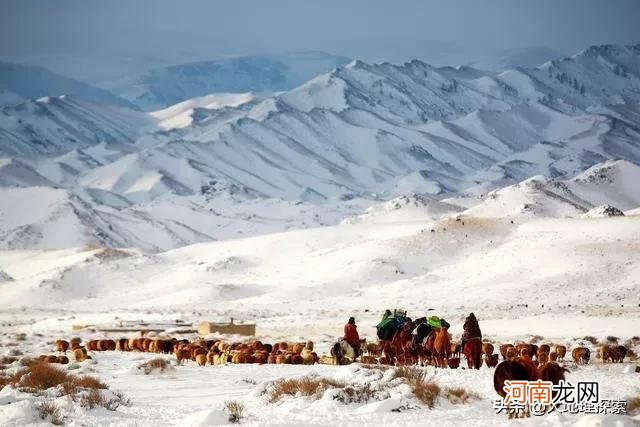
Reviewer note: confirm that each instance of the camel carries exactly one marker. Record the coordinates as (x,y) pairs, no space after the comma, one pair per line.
(473,353)
(511,370)
(442,347)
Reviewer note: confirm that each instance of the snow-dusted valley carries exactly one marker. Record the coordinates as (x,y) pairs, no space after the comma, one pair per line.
(514,195)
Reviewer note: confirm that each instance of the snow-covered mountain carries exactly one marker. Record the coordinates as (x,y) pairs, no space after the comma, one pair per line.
(162,87)
(360,131)
(22,82)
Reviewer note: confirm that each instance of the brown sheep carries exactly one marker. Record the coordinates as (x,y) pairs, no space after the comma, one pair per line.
(131,344)
(260,357)
(201,359)
(75,345)
(581,355)
(561,351)
(545,348)
(374,349)
(543,358)
(272,358)
(122,344)
(51,359)
(62,346)
(80,354)
(182,354)
(297,348)
(504,348)
(453,362)
(492,360)
(487,348)
(511,353)
(63,360)
(622,353)
(369,360)
(211,357)
(553,356)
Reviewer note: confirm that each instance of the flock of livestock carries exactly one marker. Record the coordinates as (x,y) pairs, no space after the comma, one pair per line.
(218,352)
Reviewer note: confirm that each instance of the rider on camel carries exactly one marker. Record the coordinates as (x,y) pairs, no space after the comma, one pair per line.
(351,335)
(471,329)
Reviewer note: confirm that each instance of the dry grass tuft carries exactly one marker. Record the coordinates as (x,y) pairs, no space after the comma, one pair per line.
(309,387)
(426,391)
(234,409)
(458,395)
(92,399)
(40,376)
(157,364)
(89,382)
(633,406)
(49,411)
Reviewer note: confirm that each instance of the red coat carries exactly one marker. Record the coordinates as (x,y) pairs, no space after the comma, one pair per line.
(351,334)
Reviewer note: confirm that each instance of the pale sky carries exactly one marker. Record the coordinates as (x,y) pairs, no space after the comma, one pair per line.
(175,31)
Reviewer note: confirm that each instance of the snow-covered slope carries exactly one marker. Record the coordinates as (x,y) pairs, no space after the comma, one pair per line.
(360,131)
(611,183)
(54,125)
(166,86)
(19,83)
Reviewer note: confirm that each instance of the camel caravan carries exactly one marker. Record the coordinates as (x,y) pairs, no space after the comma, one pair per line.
(401,342)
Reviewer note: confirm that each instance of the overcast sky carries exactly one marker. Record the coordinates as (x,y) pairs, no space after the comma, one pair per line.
(393,30)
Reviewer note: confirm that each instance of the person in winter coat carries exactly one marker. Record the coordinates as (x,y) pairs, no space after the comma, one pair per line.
(351,335)
(471,329)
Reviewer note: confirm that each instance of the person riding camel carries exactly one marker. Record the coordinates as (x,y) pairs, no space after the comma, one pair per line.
(351,335)
(471,329)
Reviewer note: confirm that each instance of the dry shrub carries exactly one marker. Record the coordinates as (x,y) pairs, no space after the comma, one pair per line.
(633,406)
(612,340)
(92,399)
(157,364)
(234,409)
(49,411)
(309,387)
(590,339)
(40,376)
(90,382)
(356,394)
(457,395)
(426,391)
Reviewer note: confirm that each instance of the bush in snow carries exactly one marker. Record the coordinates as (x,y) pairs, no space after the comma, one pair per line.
(234,409)
(42,378)
(50,412)
(308,387)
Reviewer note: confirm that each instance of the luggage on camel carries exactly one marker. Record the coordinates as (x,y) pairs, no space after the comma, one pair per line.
(389,324)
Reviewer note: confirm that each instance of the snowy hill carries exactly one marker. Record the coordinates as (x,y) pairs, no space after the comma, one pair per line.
(54,125)
(610,183)
(166,86)
(22,82)
(364,132)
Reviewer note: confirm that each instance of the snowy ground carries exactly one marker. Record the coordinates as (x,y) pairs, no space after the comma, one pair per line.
(524,259)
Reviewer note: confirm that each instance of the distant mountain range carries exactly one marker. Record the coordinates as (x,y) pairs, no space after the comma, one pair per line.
(162,87)
(358,131)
